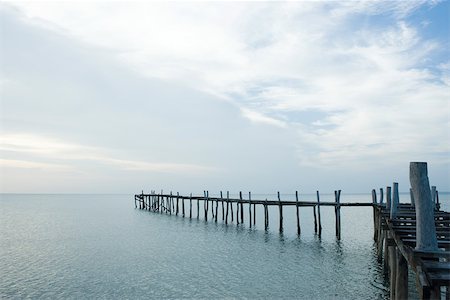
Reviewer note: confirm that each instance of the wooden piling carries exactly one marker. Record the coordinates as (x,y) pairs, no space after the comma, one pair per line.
(425,228)
(388,197)
(318,213)
(297,213)
(254,214)
(250,209)
(190,206)
(223,208)
(411,197)
(337,196)
(226,216)
(242,208)
(178,198)
(381,196)
(433,196)
(393,269)
(206,204)
(217,207)
(375,215)
(281,212)
(315,219)
(231,210)
(266,215)
(401,280)
(395,201)
(198,208)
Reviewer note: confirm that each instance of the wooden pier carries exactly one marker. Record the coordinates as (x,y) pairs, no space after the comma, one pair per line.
(408,236)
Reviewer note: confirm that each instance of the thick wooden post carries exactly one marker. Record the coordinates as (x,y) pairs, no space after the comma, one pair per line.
(337,196)
(395,201)
(433,196)
(393,269)
(381,196)
(297,213)
(281,212)
(250,209)
(375,215)
(318,213)
(388,197)
(401,283)
(425,227)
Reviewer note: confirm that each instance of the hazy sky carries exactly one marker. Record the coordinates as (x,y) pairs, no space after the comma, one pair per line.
(123,96)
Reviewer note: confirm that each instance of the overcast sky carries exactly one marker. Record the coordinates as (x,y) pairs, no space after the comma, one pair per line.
(123,96)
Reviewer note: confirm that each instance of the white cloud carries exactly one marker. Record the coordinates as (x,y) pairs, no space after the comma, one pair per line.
(372,80)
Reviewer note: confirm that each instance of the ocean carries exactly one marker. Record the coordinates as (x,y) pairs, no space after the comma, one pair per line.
(101,247)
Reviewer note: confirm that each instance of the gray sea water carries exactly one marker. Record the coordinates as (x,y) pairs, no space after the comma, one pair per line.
(100,246)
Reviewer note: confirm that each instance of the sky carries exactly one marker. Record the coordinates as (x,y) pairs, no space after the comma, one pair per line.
(119,97)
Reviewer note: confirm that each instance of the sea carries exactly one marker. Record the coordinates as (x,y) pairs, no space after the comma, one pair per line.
(101,247)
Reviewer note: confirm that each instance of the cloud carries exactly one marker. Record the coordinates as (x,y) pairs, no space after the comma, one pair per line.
(336,83)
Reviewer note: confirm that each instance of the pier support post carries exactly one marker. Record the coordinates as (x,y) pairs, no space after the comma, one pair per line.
(388,197)
(395,201)
(223,208)
(228,199)
(190,206)
(281,212)
(425,227)
(298,213)
(375,215)
(337,210)
(242,208)
(318,213)
(401,283)
(250,209)
(381,196)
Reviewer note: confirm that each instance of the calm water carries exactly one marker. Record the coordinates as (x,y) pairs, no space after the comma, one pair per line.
(100,246)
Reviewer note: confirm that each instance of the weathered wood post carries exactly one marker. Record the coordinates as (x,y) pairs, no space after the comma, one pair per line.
(231,210)
(381,196)
(438,205)
(190,206)
(198,208)
(250,209)
(401,280)
(337,196)
(223,208)
(206,206)
(281,212)
(217,207)
(242,209)
(297,213)
(425,227)
(388,197)
(318,213)
(411,196)
(266,215)
(228,199)
(237,208)
(315,219)
(375,215)
(433,196)
(394,202)
(178,198)
(254,213)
